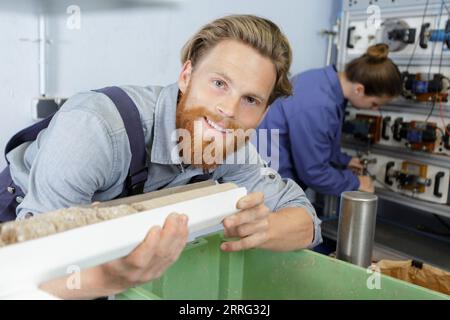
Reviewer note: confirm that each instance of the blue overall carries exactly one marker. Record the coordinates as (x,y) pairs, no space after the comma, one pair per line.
(11,194)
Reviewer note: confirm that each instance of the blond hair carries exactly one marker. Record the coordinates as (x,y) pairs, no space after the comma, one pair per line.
(259,33)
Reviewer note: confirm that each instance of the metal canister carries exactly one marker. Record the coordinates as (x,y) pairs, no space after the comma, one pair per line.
(356,231)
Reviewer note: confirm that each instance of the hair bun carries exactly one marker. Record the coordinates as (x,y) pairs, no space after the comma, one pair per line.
(378,52)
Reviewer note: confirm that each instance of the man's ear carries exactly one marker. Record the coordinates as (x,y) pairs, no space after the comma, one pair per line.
(359,89)
(185,76)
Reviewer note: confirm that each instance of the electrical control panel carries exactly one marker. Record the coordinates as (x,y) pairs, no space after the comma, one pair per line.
(411,178)
(402,131)
(410,28)
(405,146)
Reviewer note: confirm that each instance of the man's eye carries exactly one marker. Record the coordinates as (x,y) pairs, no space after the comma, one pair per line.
(219,83)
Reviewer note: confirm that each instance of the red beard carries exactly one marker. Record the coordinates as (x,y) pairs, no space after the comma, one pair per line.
(206,154)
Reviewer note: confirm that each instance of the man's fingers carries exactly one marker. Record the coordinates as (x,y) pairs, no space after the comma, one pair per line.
(154,255)
(248,229)
(173,238)
(251,200)
(143,253)
(173,235)
(246,216)
(250,242)
(230,232)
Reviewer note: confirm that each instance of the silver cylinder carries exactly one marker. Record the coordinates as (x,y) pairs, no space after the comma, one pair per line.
(356,231)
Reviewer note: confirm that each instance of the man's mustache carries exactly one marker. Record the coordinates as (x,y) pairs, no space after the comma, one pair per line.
(197,113)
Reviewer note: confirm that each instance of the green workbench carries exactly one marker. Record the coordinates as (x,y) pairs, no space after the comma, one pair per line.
(204,272)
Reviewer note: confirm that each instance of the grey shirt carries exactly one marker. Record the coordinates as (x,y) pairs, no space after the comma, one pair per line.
(84,156)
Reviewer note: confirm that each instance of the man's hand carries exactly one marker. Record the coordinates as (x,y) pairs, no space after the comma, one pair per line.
(355,165)
(366,184)
(160,249)
(251,224)
(257,227)
(147,262)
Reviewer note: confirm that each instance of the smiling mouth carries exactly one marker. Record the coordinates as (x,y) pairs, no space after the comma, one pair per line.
(217,127)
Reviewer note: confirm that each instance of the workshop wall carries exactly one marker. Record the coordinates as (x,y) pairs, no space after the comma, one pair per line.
(18,75)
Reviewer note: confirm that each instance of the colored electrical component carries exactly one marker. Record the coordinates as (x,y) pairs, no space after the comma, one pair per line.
(439,35)
(412,176)
(418,134)
(425,87)
(364,127)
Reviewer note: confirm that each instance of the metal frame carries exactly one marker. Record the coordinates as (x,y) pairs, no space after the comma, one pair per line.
(405,154)
(432,208)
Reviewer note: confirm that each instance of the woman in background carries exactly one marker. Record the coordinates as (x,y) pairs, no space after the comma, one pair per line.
(310,121)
